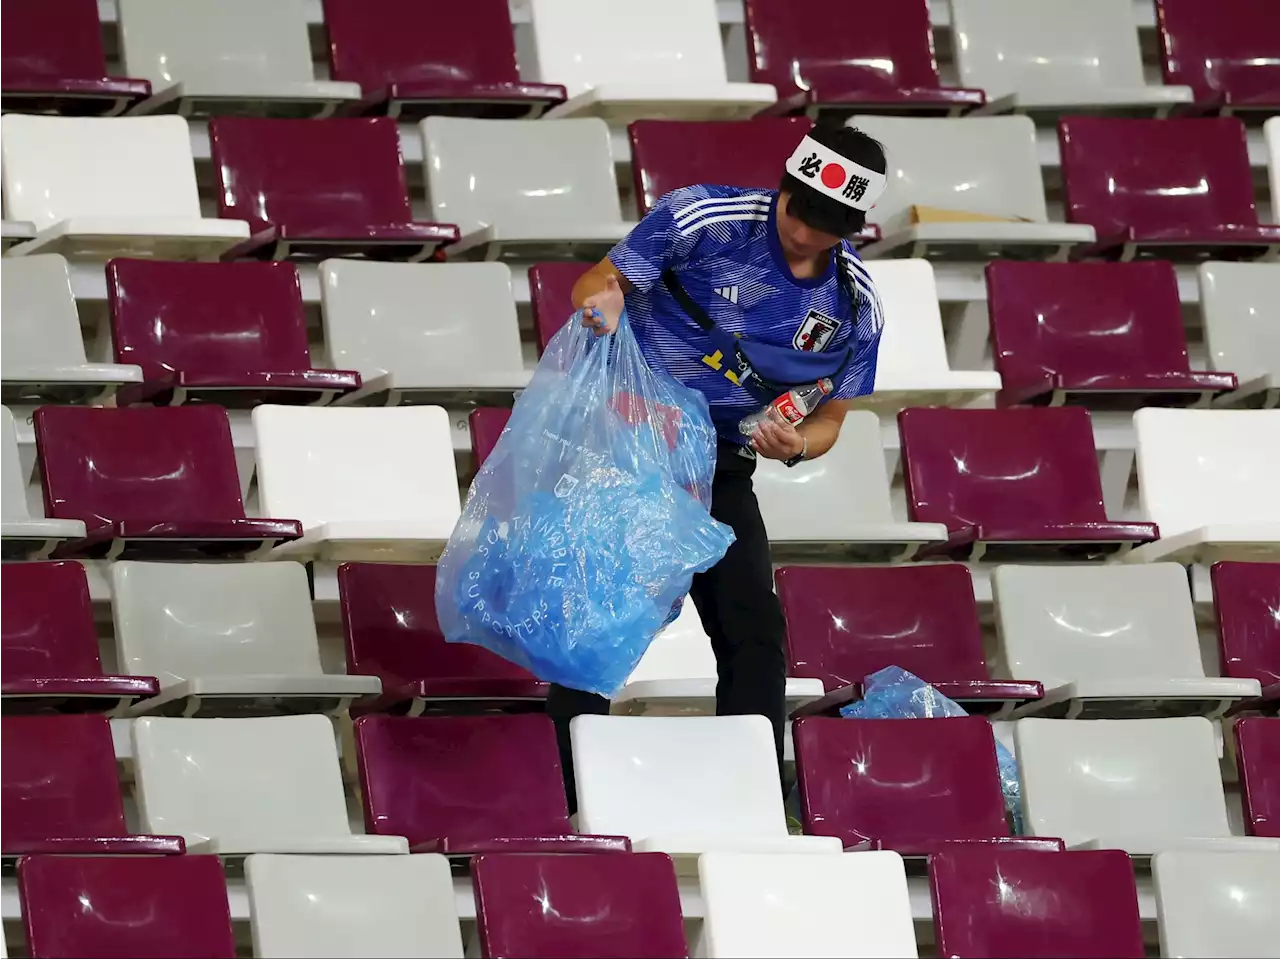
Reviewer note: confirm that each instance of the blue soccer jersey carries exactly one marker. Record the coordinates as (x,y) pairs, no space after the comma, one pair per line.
(722,243)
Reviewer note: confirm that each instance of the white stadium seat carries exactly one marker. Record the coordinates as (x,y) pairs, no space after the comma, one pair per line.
(533,189)
(226,56)
(15,231)
(1045,57)
(1271,133)
(225,637)
(765,905)
(366,484)
(43,357)
(627,61)
(987,166)
(1211,904)
(99,187)
(1208,479)
(1108,642)
(1141,785)
(912,367)
(838,506)
(345,907)
(684,785)
(1238,305)
(25,536)
(240,786)
(423,333)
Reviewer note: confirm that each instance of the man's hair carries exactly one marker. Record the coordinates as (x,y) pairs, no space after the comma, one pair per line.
(819,211)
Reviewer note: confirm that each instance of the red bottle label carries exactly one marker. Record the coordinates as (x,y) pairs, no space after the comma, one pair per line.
(786,407)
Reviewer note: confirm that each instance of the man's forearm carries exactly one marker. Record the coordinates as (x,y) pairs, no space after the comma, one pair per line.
(822,429)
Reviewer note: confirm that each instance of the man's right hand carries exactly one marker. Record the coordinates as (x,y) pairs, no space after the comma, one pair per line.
(601,311)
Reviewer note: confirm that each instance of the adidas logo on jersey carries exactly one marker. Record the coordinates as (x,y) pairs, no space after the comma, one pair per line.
(730,293)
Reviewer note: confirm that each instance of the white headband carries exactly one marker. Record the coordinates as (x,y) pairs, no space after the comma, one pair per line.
(835,176)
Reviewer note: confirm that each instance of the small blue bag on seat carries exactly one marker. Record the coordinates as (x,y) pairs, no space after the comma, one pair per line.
(584,527)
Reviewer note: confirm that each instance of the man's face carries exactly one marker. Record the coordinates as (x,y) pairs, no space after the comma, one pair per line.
(797,239)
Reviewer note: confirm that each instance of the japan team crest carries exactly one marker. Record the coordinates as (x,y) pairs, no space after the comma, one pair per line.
(815,332)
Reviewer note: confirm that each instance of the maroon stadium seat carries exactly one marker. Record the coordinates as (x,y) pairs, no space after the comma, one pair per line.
(1227,51)
(486,425)
(1258,759)
(550,289)
(1246,597)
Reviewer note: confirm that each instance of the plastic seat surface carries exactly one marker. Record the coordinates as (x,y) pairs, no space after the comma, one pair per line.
(1258,758)
(1225,52)
(1234,299)
(1246,604)
(25,536)
(1217,904)
(550,297)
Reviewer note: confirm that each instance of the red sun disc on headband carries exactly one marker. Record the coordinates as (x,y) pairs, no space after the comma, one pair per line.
(832,176)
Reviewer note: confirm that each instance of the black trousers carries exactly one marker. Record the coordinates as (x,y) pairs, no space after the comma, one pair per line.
(739,611)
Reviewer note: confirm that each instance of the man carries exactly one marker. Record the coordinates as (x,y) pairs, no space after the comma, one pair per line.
(743,294)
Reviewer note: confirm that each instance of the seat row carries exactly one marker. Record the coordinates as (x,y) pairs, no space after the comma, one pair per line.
(395,57)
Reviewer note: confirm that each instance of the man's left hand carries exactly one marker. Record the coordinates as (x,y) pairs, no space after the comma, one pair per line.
(777,441)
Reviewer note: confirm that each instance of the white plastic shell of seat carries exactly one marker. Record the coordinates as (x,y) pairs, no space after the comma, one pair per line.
(1141,785)
(627,61)
(1208,479)
(100,187)
(366,484)
(528,188)
(1108,641)
(1271,135)
(43,357)
(1212,904)
(987,165)
(1041,56)
(912,367)
(227,53)
(223,631)
(684,785)
(240,786)
(763,905)
(328,907)
(677,673)
(25,536)
(838,505)
(423,333)
(15,231)
(1238,304)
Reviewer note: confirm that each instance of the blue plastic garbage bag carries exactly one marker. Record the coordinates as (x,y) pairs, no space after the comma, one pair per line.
(584,527)
(894,693)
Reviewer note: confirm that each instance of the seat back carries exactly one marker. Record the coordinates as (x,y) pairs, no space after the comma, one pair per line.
(167,464)
(1214,903)
(708,775)
(681,651)
(130,167)
(669,154)
(1088,904)
(359,464)
(275,777)
(165,907)
(309,174)
(227,318)
(1153,779)
(1246,597)
(1119,174)
(575,46)
(986,165)
(970,467)
(391,906)
(1046,50)
(41,326)
(622,905)
(180,621)
(912,347)
(391,631)
(467,777)
(863,780)
(13,499)
(403,41)
(1199,467)
(58,40)
(1085,319)
(486,426)
(374,320)
(1258,757)
(550,295)
(783,904)
(847,622)
(1064,623)
(48,625)
(1234,301)
(1220,49)
(828,498)
(850,47)
(213,47)
(59,774)
(565,174)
